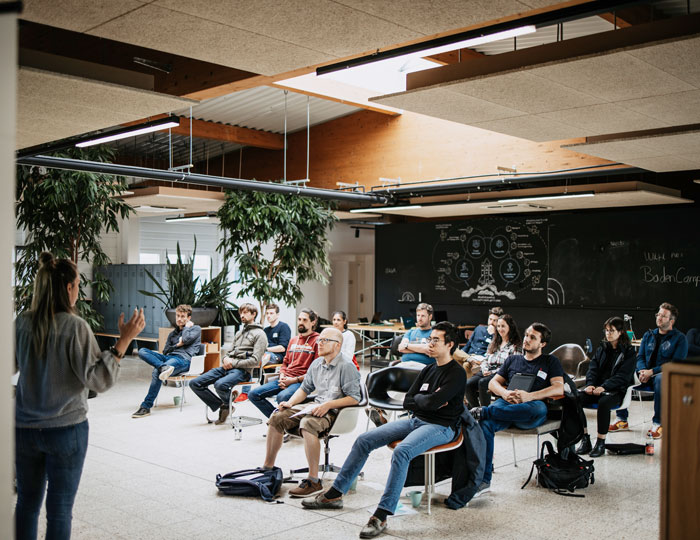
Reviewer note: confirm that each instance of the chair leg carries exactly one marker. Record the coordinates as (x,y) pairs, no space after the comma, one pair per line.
(515,459)
(430,480)
(182,397)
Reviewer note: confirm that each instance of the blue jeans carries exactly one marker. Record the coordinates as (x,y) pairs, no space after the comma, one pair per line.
(223,380)
(418,436)
(655,386)
(502,415)
(56,455)
(157,360)
(258,396)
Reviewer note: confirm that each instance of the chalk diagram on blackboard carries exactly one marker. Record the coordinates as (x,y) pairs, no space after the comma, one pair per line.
(555,292)
(492,261)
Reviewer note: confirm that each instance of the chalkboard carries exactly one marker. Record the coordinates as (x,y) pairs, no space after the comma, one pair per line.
(484,261)
(628,259)
(621,258)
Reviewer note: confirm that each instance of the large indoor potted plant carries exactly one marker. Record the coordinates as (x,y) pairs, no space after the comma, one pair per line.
(210,300)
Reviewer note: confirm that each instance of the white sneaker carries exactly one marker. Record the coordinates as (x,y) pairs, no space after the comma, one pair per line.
(483,488)
(166,372)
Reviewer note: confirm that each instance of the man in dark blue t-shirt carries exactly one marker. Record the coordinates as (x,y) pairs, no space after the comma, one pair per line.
(278,336)
(517,407)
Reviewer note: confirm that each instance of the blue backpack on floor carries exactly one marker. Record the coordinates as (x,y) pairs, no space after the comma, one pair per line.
(251,483)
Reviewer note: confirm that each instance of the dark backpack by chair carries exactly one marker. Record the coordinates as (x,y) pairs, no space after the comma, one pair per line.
(562,474)
(251,483)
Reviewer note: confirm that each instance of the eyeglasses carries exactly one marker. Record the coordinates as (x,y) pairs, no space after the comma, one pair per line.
(662,316)
(435,340)
(327,340)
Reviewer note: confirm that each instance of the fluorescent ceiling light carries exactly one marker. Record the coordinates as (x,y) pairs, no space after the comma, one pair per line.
(548,197)
(188,218)
(386,208)
(157,209)
(132,131)
(473,42)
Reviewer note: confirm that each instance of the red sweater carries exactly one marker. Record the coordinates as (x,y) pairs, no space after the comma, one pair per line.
(301,351)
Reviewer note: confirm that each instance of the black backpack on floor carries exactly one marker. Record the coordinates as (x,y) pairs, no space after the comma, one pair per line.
(251,483)
(562,473)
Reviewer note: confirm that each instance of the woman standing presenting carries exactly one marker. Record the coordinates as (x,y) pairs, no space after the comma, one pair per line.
(610,373)
(59,361)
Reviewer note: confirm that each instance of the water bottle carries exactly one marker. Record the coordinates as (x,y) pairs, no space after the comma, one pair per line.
(238,429)
(649,448)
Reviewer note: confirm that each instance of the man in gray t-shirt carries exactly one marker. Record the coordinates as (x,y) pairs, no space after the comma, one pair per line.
(336,383)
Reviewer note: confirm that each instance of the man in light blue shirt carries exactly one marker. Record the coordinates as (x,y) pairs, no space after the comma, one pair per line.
(336,383)
(414,345)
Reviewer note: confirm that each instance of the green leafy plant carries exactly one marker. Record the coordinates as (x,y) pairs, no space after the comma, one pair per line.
(66,213)
(293,227)
(182,287)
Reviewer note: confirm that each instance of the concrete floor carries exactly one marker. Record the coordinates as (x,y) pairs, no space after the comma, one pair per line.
(153,478)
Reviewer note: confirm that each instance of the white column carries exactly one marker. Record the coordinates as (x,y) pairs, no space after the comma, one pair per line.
(8,94)
(130,238)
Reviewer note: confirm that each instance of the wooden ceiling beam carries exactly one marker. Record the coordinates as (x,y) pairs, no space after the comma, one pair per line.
(201,129)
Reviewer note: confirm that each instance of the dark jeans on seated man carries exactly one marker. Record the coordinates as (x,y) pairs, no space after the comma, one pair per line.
(223,380)
(477,390)
(502,415)
(651,386)
(258,396)
(157,360)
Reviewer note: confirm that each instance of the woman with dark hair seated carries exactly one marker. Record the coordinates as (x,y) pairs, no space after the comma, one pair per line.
(506,341)
(610,373)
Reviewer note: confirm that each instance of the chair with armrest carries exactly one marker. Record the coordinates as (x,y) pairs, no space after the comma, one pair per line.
(389,379)
(196,369)
(574,362)
(345,422)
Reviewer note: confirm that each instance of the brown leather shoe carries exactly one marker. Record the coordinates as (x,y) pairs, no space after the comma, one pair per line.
(223,415)
(306,488)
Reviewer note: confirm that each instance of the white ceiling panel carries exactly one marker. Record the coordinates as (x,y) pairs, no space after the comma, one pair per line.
(52,106)
(658,153)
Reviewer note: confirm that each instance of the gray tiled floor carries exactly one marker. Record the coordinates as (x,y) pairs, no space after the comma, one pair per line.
(153,478)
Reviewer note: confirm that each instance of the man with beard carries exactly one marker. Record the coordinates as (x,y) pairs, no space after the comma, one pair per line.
(301,351)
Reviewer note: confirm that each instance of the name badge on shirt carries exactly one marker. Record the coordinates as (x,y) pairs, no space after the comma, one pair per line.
(274,335)
(424,387)
(542,375)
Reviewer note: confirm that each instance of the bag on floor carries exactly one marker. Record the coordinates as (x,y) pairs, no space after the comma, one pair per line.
(626,449)
(561,474)
(251,483)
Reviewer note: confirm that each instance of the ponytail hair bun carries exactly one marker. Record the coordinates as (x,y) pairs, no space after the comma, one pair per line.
(46,259)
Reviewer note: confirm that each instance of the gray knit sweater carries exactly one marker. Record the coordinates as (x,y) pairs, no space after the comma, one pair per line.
(52,391)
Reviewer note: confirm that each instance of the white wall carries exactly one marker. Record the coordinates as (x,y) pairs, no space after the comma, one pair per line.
(8,94)
(345,251)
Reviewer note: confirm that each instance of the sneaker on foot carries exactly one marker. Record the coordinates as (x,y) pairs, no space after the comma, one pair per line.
(143,411)
(620,425)
(320,502)
(376,416)
(485,487)
(373,528)
(223,415)
(655,433)
(241,398)
(165,372)
(306,488)
(476,413)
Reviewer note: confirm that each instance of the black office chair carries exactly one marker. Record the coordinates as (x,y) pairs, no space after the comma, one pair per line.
(380,361)
(390,379)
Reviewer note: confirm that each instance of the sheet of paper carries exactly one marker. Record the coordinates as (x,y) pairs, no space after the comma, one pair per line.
(306,410)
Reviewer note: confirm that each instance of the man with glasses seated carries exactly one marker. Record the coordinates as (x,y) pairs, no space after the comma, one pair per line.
(336,383)
(435,403)
(661,345)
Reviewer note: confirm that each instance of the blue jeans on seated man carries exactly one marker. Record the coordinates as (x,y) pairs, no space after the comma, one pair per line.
(650,386)
(258,396)
(157,360)
(418,436)
(56,455)
(223,380)
(502,415)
